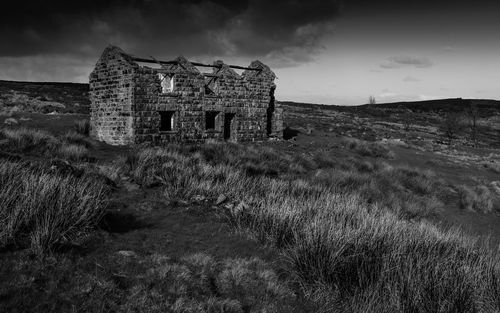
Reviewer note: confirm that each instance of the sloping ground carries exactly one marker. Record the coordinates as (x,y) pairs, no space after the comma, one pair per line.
(152,255)
(449,166)
(44,97)
(156,253)
(418,123)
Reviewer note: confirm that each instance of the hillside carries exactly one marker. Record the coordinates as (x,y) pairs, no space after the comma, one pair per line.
(360,209)
(418,123)
(442,105)
(44,97)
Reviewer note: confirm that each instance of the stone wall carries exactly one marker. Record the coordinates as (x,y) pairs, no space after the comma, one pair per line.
(112,96)
(127,100)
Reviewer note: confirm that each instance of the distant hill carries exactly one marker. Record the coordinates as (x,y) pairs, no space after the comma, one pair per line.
(45,97)
(75,98)
(442,105)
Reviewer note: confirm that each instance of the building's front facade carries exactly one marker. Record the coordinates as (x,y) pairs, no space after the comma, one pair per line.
(176,102)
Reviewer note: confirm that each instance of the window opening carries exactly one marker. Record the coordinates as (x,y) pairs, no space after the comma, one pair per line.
(167,120)
(167,82)
(210,118)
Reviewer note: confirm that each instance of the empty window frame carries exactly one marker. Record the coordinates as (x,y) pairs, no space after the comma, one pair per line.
(210,119)
(167,120)
(167,82)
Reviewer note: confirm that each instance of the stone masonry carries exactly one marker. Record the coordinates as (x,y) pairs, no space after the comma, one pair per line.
(176,102)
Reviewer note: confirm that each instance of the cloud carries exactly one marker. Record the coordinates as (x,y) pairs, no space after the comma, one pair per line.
(429,97)
(288,30)
(388,97)
(410,79)
(45,68)
(406,61)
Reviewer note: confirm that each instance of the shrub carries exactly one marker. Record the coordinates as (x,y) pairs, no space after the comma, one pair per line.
(451,126)
(82,127)
(495,185)
(492,165)
(479,199)
(73,152)
(77,139)
(372,100)
(364,148)
(41,208)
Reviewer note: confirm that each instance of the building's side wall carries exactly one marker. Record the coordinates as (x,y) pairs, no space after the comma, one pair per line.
(260,96)
(111,96)
(277,122)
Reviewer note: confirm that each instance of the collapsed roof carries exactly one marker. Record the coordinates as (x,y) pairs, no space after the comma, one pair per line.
(256,68)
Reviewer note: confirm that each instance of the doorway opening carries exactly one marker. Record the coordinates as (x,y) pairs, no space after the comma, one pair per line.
(270,113)
(228,121)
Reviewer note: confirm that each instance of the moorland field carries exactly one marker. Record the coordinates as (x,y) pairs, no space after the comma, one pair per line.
(373,208)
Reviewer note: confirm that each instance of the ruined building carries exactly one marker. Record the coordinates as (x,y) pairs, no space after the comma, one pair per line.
(175,101)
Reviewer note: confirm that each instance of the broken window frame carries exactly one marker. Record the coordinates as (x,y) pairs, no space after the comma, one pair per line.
(167,118)
(165,89)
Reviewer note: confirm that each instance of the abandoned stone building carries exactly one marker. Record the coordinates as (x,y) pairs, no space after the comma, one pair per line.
(136,100)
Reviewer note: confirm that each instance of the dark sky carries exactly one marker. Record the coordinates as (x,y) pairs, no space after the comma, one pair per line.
(329,51)
(193,27)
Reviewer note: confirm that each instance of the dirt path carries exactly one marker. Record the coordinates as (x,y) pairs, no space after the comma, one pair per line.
(145,222)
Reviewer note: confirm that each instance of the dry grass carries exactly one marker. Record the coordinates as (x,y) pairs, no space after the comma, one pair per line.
(495,185)
(365,148)
(353,233)
(71,146)
(41,208)
(339,228)
(26,140)
(73,152)
(77,139)
(196,283)
(82,127)
(492,165)
(478,199)
(409,193)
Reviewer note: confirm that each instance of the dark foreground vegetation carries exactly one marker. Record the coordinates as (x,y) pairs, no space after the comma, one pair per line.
(347,226)
(352,234)
(350,231)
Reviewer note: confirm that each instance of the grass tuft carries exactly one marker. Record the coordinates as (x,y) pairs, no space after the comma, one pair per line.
(82,127)
(71,146)
(365,148)
(26,140)
(478,199)
(42,208)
